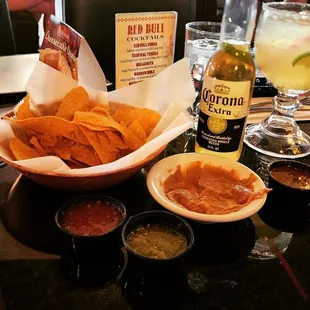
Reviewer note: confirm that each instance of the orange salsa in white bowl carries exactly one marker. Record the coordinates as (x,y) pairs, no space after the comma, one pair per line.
(206,188)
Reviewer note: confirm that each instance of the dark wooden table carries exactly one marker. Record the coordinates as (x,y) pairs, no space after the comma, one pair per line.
(217,274)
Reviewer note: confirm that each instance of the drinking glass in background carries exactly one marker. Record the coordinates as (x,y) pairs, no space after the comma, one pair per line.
(282,50)
(201,40)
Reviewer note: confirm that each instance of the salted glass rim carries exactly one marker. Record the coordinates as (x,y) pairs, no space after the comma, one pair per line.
(189,27)
(279,9)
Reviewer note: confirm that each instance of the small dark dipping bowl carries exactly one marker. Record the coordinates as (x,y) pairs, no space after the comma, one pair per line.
(287,208)
(161,218)
(80,221)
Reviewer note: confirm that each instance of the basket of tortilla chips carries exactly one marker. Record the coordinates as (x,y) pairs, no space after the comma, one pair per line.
(84,144)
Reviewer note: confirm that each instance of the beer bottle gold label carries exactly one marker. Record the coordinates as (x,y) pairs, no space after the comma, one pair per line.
(224,106)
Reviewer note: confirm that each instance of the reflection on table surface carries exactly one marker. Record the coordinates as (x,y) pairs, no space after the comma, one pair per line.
(217,273)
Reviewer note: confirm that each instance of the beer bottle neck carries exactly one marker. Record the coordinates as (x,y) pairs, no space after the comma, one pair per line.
(238,20)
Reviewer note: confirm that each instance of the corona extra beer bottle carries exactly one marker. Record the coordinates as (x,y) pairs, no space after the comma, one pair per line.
(228,84)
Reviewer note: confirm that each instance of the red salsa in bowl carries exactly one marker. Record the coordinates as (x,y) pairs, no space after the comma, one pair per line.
(90,216)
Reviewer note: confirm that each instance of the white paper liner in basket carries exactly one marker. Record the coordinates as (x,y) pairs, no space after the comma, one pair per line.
(170,93)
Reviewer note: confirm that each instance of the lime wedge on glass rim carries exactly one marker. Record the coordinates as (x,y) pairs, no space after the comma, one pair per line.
(302,60)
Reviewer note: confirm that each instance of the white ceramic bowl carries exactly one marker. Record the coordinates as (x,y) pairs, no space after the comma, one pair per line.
(161,170)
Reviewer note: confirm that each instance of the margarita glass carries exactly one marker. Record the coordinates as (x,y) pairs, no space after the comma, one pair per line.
(282,51)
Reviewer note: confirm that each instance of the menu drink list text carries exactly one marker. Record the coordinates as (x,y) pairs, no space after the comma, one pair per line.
(144,45)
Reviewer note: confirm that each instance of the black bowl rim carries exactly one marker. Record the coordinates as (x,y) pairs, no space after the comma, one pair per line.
(69,203)
(154,213)
(287,162)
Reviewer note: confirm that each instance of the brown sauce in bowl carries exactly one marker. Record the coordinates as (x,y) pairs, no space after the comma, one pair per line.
(292,176)
(209,189)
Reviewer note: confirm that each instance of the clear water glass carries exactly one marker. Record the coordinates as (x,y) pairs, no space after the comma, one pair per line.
(201,40)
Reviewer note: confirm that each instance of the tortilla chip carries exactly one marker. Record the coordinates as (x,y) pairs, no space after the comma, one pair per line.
(47,141)
(94,142)
(125,152)
(130,139)
(63,143)
(53,145)
(106,144)
(38,147)
(111,156)
(114,106)
(76,100)
(116,139)
(84,154)
(80,136)
(21,150)
(121,116)
(97,158)
(95,121)
(83,132)
(23,110)
(147,118)
(103,110)
(94,139)
(138,131)
(60,149)
(62,152)
(49,125)
(22,134)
